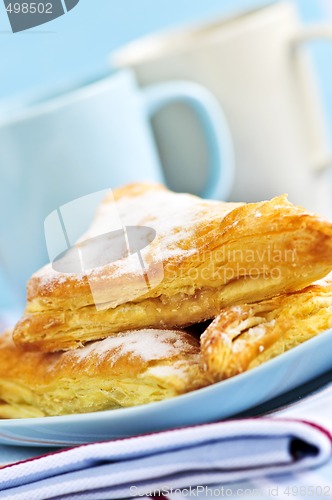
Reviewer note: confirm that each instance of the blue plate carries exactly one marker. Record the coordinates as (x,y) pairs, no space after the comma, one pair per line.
(216,402)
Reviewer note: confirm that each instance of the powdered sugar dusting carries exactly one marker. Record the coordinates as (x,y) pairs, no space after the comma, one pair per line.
(148,345)
(174,217)
(47,274)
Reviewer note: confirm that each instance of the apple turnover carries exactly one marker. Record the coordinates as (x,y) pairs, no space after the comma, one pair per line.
(245,336)
(132,368)
(175,261)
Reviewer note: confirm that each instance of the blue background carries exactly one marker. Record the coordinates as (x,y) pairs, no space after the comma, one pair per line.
(79,42)
(77,45)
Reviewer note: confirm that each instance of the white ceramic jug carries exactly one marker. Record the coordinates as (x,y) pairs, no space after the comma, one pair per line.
(257,65)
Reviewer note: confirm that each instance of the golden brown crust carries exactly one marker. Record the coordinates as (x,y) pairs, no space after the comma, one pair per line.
(206,255)
(245,336)
(128,369)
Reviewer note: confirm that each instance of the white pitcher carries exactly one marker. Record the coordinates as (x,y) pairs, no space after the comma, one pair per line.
(257,65)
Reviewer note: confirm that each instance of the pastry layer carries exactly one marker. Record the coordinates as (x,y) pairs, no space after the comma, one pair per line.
(199,256)
(245,336)
(132,368)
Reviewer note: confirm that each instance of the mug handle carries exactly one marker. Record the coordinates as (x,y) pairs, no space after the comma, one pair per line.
(217,133)
(320,31)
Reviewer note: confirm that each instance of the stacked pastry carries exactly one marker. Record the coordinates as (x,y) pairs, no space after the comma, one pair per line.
(243,337)
(106,324)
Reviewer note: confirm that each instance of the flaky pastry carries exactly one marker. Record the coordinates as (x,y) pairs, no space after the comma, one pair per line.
(191,258)
(132,368)
(245,336)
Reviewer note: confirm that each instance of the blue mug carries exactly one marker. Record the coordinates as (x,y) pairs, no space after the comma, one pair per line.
(95,137)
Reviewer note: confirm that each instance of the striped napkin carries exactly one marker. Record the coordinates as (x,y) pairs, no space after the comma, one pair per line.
(151,464)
